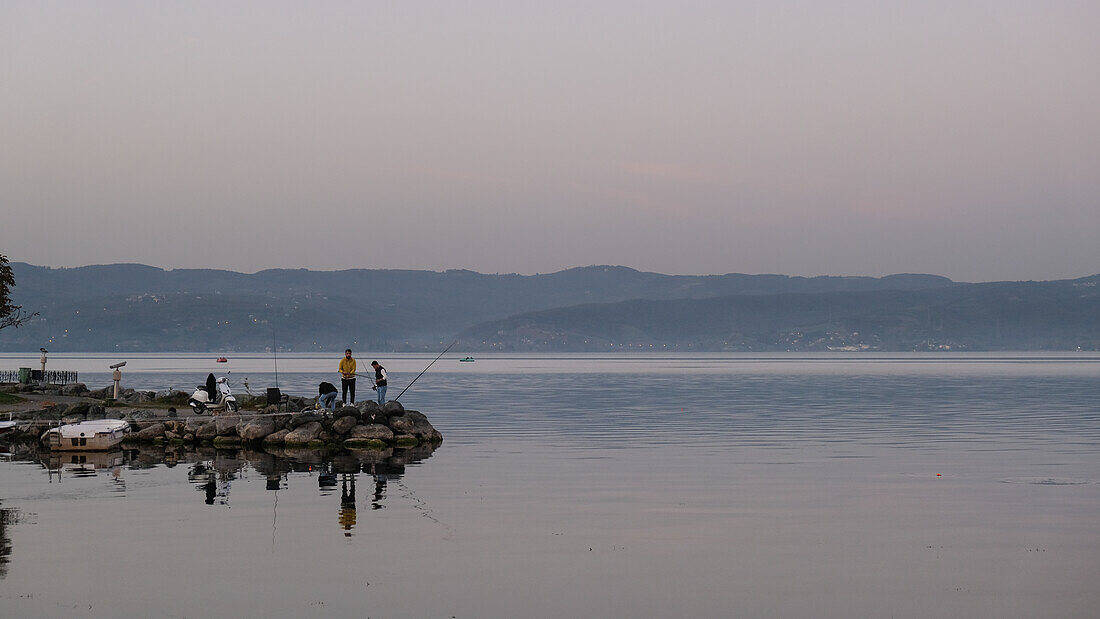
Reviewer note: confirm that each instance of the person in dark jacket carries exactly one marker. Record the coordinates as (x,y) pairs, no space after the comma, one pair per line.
(327,397)
(379,381)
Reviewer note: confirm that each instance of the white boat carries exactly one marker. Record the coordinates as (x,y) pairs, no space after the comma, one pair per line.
(94,435)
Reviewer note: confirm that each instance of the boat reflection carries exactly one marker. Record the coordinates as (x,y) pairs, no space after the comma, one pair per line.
(61,464)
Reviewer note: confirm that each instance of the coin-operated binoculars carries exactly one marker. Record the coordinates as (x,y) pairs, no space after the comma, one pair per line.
(117,375)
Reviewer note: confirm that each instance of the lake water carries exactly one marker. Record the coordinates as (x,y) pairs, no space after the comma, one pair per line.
(840,485)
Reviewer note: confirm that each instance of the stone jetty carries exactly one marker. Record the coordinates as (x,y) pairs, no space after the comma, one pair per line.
(365,424)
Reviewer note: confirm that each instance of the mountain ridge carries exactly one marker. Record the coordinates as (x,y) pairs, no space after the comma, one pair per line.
(137,307)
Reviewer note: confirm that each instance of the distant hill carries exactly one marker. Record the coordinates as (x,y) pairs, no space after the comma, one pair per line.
(133,307)
(1061,315)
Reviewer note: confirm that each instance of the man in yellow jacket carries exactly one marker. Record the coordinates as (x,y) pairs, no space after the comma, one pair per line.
(347,376)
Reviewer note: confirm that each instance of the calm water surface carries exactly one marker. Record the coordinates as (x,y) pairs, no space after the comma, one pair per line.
(596,486)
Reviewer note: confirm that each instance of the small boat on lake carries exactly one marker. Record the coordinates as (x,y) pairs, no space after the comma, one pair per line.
(221,360)
(94,435)
(466,360)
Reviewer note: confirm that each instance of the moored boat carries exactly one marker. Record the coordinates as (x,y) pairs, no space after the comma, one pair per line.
(94,435)
(466,359)
(221,360)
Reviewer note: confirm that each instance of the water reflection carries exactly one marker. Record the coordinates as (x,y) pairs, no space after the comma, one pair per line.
(8,516)
(212,473)
(347,504)
(59,465)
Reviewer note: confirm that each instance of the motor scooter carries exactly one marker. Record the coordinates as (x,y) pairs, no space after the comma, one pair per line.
(222,400)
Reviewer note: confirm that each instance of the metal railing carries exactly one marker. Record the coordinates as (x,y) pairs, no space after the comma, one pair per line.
(52,377)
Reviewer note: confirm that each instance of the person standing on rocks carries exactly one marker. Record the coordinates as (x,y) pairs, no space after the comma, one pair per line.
(379,381)
(347,374)
(327,395)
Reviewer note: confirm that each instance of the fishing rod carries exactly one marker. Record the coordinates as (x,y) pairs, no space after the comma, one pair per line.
(425,370)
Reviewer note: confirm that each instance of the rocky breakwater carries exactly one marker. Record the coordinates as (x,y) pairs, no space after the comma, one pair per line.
(127,396)
(364,425)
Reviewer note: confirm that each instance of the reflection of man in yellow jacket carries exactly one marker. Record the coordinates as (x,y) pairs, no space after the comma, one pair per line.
(347,506)
(347,374)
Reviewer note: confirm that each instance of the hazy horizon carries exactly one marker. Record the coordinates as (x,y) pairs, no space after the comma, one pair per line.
(846,138)
(579,266)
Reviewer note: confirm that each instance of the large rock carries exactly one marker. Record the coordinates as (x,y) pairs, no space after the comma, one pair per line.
(276,438)
(56,411)
(302,419)
(393,408)
(207,431)
(367,406)
(282,421)
(131,396)
(415,424)
(171,396)
(255,428)
(74,389)
(344,425)
(154,431)
(375,415)
(303,434)
(227,424)
(252,401)
(102,394)
(372,431)
(345,411)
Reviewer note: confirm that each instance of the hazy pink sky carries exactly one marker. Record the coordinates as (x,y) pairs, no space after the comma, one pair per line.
(846,138)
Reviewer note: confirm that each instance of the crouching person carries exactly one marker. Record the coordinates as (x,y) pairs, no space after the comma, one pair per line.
(327,397)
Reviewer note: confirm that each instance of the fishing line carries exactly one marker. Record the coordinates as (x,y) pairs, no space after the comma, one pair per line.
(425,370)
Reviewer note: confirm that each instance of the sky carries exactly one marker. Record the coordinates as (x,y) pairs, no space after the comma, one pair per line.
(957,138)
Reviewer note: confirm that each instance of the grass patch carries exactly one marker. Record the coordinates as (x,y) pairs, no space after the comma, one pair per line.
(10,398)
